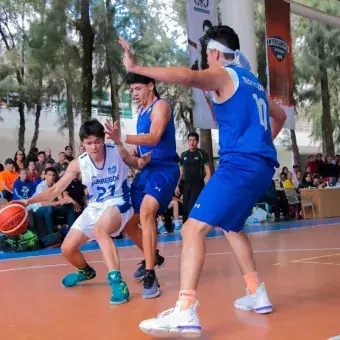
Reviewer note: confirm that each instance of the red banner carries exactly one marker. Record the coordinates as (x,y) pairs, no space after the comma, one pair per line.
(280,58)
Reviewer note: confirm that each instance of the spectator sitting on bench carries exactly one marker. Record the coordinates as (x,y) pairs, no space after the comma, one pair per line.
(288,183)
(307,181)
(7,179)
(318,181)
(32,172)
(22,188)
(45,210)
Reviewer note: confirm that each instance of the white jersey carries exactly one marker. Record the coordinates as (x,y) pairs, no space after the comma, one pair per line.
(108,182)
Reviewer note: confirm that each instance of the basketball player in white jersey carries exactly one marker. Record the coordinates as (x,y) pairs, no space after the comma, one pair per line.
(104,171)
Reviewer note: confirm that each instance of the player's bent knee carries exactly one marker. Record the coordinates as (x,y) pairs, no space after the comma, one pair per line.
(67,249)
(147,217)
(194,227)
(101,233)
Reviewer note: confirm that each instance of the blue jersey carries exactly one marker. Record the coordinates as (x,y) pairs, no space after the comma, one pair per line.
(243,121)
(165,150)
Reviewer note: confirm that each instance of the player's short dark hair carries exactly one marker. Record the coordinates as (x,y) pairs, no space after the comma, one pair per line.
(51,170)
(91,128)
(225,35)
(133,78)
(68,147)
(41,153)
(195,135)
(207,23)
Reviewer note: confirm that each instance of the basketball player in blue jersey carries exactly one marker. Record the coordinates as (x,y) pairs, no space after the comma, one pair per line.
(248,121)
(153,187)
(104,171)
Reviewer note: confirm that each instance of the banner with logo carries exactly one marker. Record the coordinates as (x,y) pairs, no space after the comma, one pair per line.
(201,15)
(280,58)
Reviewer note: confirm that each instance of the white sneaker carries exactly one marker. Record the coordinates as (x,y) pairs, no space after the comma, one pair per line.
(174,323)
(258,302)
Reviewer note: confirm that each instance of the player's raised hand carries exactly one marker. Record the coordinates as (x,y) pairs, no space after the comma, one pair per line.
(113,131)
(128,60)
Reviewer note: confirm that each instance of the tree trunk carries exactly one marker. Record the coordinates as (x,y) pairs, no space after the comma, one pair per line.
(36,125)
(37,114)
(21,105)
(326,120)
(114,100)
(111,35)
(22,126)
(206,145)
(87,33)
(70,117)
(191,119)
(295,148)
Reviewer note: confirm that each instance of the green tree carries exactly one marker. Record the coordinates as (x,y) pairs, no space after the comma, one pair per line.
(12,18)
(317,67)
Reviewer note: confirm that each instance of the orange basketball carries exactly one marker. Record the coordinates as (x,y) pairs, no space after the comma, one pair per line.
(13,219)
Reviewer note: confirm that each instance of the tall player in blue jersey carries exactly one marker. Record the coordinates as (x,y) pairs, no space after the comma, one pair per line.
(153,187)
(248,122)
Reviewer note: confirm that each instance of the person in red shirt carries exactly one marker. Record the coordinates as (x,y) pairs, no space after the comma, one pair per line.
(313,165)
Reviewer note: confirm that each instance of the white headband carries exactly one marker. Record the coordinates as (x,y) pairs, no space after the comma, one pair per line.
(240,59)
(215,45)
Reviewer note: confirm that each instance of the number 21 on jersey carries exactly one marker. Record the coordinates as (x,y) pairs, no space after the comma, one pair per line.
(262,108)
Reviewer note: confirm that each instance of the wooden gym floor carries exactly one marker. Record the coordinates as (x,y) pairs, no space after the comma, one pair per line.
(300,266)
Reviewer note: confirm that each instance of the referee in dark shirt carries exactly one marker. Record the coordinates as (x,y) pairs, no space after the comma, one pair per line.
(195,171)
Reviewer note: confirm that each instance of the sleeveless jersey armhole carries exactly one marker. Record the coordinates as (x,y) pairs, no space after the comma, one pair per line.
(236,82)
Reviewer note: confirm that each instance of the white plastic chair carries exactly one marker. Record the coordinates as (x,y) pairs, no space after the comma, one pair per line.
(295,199)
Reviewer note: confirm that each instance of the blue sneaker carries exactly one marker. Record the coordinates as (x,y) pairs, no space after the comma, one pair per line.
(177,227)
(150,286)
(161,229)
(73,279)
(120,291)
(140,272)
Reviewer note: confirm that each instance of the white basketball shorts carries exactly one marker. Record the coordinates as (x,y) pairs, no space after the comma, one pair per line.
(91,214)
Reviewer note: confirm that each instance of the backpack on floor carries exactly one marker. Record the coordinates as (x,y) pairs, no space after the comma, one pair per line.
(26,241)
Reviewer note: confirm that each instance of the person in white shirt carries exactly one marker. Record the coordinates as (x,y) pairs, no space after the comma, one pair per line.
(104,171)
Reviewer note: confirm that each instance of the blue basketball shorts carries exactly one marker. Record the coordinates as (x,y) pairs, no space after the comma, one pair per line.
(157,181)
(230,195)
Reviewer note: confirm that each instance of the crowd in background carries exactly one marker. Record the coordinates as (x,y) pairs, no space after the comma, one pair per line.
(23,176)
(318,172)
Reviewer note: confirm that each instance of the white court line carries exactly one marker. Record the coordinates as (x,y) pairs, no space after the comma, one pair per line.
(315,258)
(170,256)
(314,262)
(210,238)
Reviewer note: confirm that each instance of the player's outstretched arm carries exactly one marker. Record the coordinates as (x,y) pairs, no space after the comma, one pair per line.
(159,117)
(58,188)
(212,79)
(278,117)
(131,161)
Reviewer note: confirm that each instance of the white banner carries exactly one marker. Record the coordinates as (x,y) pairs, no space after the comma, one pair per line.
(201,15)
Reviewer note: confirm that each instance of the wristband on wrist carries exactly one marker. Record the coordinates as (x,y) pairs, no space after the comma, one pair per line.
(123,138)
